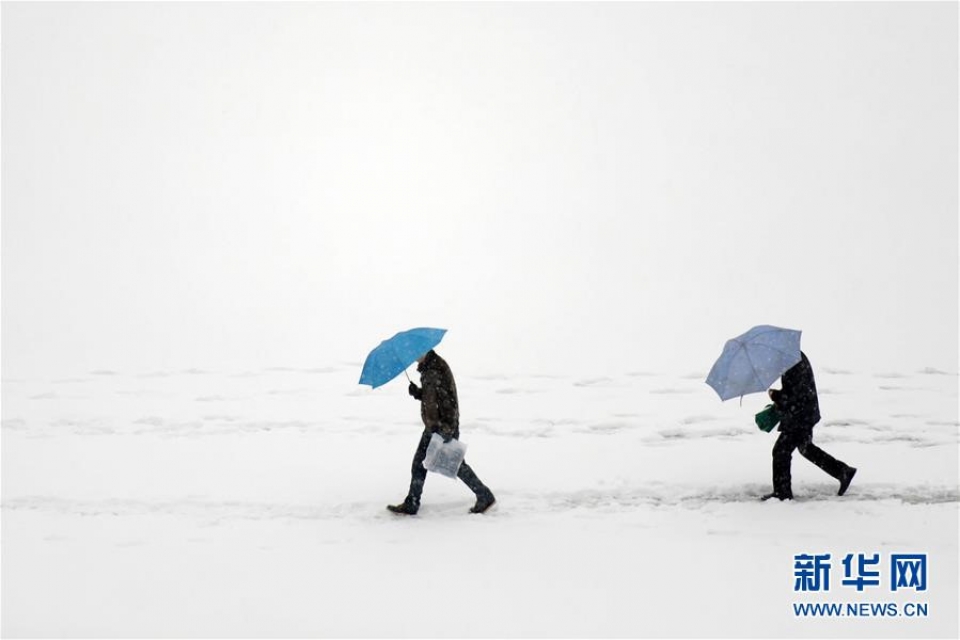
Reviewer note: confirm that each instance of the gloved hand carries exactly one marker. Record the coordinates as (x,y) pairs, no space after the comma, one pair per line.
(446,435)
(774,395)
(414,391)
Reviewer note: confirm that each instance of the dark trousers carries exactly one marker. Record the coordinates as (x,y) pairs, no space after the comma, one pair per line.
(801,439)
(418,474)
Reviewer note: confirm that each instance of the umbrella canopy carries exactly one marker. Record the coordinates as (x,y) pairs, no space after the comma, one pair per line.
(394,355)
(750,363)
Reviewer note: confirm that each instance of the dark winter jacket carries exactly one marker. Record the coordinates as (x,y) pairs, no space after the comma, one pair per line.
(797,400)
(438,396)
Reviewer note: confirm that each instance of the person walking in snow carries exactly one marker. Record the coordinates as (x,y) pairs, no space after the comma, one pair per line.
(799,409)
(440,412)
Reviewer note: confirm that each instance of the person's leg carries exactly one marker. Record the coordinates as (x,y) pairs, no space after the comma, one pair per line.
(470,478)
(484,496)
(821,458)
(839,470)
(782,454)
(418,475)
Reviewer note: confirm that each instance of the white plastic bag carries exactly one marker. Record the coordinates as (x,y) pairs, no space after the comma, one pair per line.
(444,458)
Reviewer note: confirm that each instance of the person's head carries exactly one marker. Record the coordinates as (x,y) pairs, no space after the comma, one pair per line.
(424,357)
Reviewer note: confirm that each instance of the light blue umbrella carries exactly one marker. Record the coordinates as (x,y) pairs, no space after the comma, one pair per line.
(393,356)
(750,363)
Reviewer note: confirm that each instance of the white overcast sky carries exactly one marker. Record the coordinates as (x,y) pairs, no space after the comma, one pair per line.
(572,186)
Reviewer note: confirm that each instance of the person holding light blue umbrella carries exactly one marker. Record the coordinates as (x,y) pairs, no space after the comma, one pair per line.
(796,402)
(439,406)
(751,363)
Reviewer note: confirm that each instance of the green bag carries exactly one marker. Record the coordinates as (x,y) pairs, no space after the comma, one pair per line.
(768,418)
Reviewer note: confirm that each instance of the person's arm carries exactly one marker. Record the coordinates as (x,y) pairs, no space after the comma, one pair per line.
(431,401)
(432,397)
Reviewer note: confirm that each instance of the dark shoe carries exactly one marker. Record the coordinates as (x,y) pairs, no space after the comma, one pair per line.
(846,479)
(405,508)
(777,496)
(484,502)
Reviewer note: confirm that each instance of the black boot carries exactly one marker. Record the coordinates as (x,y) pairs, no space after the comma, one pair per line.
(408,507)
(485,500)
(777,496)
(846,479)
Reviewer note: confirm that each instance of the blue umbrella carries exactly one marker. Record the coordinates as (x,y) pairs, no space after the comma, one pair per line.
(750,363)
(393,356)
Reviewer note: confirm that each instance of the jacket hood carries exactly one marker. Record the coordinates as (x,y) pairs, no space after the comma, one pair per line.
(428,360)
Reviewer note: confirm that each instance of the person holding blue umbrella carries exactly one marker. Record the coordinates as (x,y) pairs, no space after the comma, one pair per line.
(439,406)
(440,412)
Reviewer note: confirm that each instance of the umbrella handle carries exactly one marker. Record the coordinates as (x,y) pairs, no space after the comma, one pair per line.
(406,374)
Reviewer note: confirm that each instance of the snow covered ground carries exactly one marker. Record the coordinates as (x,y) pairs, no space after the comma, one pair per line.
(251,503)
(569,188)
